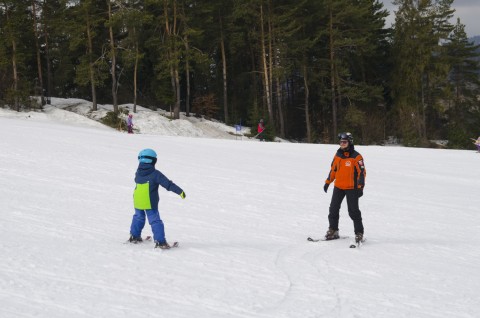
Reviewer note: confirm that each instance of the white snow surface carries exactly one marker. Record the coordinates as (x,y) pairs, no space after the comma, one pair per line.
(66,206)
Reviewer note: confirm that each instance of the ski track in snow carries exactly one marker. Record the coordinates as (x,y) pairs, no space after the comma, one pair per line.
(66,187)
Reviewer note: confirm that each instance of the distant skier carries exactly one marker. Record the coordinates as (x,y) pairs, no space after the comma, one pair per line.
(130,123)
(260,130)
(348,172)
(146,198)
(477,143)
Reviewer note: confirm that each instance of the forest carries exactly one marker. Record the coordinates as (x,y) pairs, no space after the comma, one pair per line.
(309,68)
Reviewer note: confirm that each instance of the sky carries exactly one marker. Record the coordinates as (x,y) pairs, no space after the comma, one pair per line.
(66,185)
(467,10)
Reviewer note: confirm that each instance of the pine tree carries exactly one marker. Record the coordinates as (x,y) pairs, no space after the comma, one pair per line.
(59,69)
(464,85)
(110,23)
(132,18)
(350,33)
(17,36)
(87,29)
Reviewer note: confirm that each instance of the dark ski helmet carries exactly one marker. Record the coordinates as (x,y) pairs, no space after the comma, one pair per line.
(147,156)
(346,136)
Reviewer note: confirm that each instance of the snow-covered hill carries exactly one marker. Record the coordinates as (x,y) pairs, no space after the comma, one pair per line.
(145,120)
(66,204)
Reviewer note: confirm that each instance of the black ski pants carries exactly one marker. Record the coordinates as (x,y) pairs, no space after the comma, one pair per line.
(353,209)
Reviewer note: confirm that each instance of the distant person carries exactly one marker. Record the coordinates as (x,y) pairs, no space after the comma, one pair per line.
(348,172)
(146,198)
(260,130)
(130,123)
(477,143)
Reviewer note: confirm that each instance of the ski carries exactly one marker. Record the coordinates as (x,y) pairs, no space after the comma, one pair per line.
(310,239)
(146,238)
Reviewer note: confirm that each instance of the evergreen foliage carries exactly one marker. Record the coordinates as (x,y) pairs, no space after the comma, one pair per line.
(116,119)
(312,67)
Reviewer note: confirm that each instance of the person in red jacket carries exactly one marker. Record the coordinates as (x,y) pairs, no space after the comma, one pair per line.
(260,129)
(348,173)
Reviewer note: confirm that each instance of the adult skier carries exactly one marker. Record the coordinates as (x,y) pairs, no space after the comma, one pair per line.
(146,198)
(348,173)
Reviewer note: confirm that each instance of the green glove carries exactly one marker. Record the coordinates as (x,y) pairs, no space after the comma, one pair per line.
(183,195)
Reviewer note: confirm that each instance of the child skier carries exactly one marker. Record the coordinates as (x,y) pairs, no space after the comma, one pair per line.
(348,172)
(130,123)
(146,198)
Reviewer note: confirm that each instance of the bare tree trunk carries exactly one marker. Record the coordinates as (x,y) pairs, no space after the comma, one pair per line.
(339,94)
(90,63)
(424,106)
(135,75)
(113,57)
(15,79)
(47,54)
(266,78)
(175,65)
(15,75)
(187,74)
(332,76)
(174,89)
(254,78)
(37,46)
(270,62)
(176,110)
(280,107)
(307,105)
(172,55)
(224,66)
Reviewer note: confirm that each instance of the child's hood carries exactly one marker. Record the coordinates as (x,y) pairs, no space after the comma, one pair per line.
(144,169)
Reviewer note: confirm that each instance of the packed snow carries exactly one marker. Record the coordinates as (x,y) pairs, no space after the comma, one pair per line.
(66,206)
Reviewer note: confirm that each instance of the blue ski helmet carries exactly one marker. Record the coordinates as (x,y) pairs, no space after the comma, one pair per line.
(147,156)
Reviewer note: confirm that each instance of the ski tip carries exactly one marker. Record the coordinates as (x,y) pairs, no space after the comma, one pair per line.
(353,246)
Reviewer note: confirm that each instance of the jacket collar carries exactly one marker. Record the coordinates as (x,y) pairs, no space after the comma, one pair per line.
(145,168)
(347,152)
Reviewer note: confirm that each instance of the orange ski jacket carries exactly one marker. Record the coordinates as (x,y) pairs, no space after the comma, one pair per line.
(347,170)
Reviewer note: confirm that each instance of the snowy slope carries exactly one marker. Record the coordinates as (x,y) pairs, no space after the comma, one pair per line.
(66,205)
(145,120)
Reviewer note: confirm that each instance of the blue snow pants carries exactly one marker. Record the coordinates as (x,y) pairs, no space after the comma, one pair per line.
(138,222)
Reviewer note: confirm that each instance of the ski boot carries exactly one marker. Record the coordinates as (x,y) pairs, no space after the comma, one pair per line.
(135,240)
(358,237)
(332,235)
(163,246)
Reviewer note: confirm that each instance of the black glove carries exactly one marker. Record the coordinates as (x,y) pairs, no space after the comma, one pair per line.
(360,192)
(325,187)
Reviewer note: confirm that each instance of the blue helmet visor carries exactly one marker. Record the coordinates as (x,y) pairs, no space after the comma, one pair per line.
(147,159)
